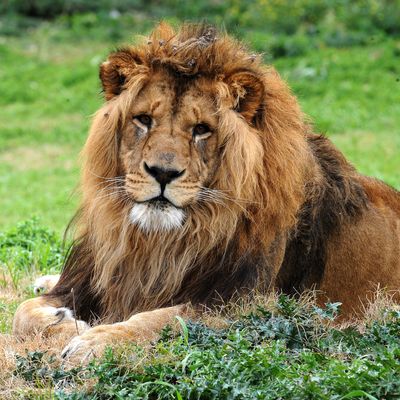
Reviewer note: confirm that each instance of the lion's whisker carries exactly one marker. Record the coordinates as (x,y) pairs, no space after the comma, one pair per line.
(224,194)
(214,195)
(116,191)
(107,185)
(220,202)
(105,177)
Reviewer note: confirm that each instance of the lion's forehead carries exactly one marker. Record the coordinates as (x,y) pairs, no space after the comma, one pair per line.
(191,99)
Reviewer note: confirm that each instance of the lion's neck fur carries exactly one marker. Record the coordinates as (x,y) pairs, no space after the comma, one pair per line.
(145,270)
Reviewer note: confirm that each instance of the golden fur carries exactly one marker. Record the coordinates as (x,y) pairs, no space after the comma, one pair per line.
(266,203)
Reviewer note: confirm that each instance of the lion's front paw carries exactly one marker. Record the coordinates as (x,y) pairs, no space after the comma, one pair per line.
(65,324)
(82,348)
(38,316)
(92,342)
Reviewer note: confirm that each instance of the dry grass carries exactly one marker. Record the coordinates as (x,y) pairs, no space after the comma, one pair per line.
(13,387)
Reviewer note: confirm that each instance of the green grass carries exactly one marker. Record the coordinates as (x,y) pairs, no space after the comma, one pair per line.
(26,250)
(353,96)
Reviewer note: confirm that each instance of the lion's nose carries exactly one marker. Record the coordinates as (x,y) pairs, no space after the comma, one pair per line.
(161,175)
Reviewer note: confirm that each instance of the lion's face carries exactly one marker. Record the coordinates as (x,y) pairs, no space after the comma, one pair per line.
(168,150)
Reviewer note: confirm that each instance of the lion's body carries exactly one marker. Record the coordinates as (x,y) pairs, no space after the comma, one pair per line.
(364,255)
(203,182)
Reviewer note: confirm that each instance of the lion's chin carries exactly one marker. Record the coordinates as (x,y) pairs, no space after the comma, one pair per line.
(153,218)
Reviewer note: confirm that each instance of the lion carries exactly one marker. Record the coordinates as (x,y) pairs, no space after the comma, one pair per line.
(203,182)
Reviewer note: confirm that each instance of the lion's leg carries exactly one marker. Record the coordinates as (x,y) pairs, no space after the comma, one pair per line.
(140,328)
(42,315)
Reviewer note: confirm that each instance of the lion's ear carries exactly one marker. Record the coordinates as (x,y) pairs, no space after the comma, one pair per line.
(248,93)
(118,68)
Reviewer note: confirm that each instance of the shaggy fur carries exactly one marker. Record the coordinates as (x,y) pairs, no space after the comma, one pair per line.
(267,203)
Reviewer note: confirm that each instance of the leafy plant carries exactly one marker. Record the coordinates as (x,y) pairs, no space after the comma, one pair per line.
(42,370)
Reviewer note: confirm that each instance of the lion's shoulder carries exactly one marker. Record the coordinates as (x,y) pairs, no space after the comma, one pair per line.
(337,197)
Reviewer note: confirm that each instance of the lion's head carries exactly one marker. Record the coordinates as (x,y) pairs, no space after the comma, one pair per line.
(197,145)
(182,125)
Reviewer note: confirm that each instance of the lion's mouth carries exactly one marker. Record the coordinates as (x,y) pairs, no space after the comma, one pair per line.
(157,214)
(160,202)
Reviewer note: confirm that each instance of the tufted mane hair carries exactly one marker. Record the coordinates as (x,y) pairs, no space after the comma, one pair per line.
(266,164)
(192,51)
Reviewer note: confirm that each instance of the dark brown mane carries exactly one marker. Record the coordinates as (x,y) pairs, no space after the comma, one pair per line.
(337,198)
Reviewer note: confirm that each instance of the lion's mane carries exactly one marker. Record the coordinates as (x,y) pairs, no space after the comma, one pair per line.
(279,191)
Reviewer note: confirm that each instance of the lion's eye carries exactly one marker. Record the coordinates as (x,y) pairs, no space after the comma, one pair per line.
(144,119)
(201,130)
